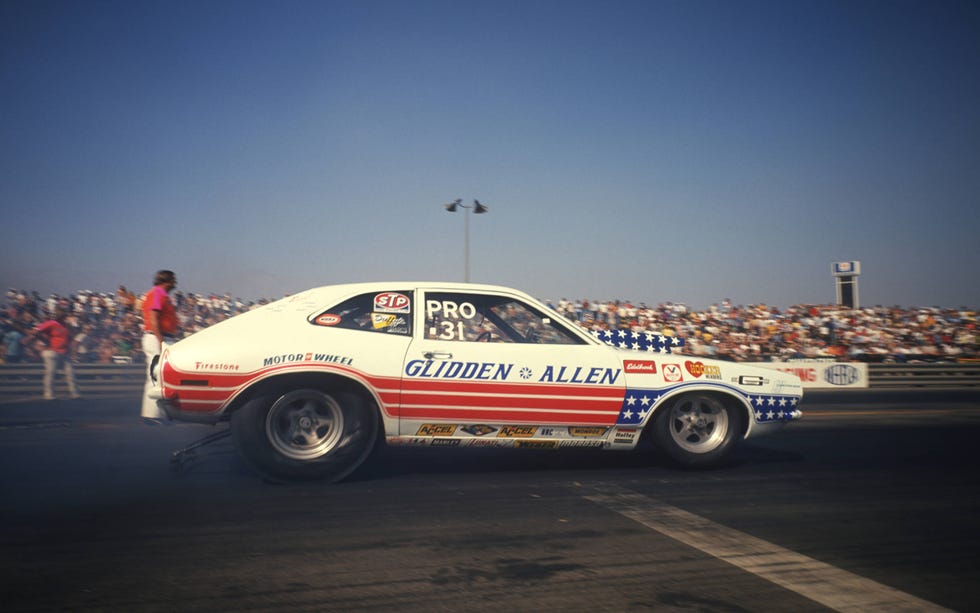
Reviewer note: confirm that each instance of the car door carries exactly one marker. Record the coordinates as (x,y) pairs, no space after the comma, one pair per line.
(493,358)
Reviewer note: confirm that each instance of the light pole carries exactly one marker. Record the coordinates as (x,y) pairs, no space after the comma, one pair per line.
(477,210)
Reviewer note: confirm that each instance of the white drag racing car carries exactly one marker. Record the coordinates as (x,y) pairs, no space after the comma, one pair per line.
(313,382)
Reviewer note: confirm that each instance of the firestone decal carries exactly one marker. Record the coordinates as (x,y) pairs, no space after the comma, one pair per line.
(213,366)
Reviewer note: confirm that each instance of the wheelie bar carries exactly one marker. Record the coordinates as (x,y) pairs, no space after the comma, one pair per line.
(181,455)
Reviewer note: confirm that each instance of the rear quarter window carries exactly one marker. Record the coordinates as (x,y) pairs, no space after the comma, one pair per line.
(378,312)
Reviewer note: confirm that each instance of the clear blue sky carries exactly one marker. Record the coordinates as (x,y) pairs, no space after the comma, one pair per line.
(685,151)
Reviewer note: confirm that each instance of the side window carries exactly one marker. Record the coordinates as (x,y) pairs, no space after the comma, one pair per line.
(494,319)
(384,312)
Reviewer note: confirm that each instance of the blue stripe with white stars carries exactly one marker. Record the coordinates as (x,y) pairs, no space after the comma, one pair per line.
(638,403)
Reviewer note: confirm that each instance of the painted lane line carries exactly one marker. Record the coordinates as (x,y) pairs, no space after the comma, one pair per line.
(830,586)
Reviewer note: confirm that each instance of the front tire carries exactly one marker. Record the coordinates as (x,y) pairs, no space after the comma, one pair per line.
(304,434)
(698,430)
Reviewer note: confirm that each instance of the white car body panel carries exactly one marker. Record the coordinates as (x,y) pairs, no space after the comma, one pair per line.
(435,391)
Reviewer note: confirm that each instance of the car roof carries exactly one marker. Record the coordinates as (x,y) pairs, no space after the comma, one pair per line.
(346,289)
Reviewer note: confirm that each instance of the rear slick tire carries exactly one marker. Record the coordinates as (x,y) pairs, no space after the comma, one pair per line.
(304,434)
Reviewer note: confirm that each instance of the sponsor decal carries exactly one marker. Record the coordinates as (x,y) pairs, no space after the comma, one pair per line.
(587,431)
(486,371)
(327,319)
(580,374)
(436,430)
(213,366)
(536,444)
(842,374)
(672,373)
(699,369)
(382,320)
(445,442)
(547,432)
(495,371)
(392,302)
(408,441)
(751,380)
(484,442)
(592,444)
(695,368)
(640,366)
(289,358)
(478,430)
(517,431)
(625,436)
(390,322)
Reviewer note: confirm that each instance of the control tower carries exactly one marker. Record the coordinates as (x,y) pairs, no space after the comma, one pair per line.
(846,278)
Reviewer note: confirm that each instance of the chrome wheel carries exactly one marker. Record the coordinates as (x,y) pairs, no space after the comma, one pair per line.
(304,424)
(698,424)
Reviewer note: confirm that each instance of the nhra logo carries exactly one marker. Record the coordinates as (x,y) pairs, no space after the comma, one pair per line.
(842,374)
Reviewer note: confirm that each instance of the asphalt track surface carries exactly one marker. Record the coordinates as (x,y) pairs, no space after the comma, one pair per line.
(870,503)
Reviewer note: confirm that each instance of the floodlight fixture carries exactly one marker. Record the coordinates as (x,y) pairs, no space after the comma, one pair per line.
(477,210)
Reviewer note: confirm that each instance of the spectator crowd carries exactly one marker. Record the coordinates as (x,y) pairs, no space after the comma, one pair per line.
(107,327)
(761,333)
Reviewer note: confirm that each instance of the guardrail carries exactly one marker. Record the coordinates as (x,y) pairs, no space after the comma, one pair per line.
(924,376)
(25,380)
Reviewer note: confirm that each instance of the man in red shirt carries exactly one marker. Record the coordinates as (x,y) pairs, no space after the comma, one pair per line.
(160,326)
(56,355)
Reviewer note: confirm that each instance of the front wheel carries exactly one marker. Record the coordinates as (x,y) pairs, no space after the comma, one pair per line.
(697,430)
(304,434)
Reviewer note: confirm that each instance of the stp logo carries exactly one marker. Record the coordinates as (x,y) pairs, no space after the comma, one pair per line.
(392,302)
(672,373)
